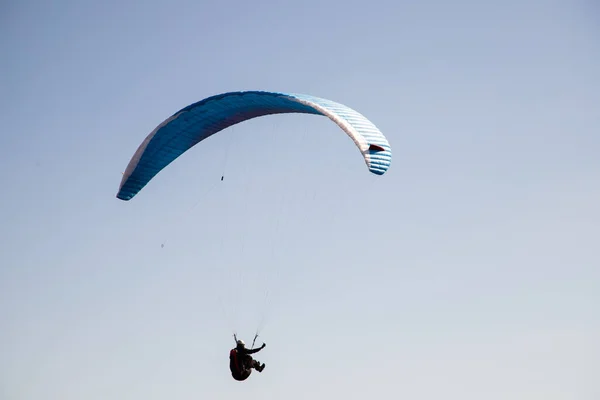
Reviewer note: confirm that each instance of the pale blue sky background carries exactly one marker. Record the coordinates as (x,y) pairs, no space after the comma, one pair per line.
(468,272)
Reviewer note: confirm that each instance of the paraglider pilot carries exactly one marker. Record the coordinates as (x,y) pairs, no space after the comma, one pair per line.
(241,362)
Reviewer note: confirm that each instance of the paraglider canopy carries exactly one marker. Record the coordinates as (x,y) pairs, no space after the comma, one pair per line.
(200,120)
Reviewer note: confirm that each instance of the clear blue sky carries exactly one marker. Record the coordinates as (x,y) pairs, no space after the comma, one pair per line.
(469,271)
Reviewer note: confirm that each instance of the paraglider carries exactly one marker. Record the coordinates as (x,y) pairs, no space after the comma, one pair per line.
(241,362)
(200,120)
(196,122)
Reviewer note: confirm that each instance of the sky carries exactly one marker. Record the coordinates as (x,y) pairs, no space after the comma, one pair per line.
(469,270)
